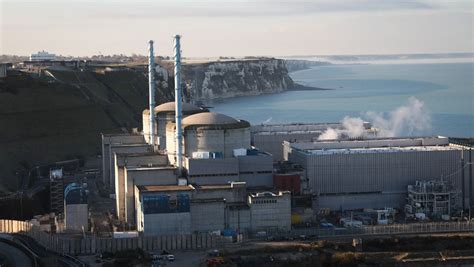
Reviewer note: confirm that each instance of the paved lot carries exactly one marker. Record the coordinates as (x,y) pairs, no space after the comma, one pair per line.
(186,258)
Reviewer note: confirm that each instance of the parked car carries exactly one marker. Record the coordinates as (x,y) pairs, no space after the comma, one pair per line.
(170,257)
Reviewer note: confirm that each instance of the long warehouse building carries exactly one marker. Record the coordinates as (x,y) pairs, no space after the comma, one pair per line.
(373,173)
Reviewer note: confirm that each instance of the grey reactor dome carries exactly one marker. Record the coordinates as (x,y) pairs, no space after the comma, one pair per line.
(213,120)
(164,114)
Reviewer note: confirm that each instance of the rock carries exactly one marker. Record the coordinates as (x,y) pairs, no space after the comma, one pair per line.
(207,81)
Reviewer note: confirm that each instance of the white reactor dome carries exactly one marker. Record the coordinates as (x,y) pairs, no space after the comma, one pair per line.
(210,132)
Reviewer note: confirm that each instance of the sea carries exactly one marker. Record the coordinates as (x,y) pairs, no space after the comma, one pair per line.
(446,90)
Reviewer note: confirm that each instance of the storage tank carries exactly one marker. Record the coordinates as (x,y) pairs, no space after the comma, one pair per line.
(209,132)
(76,208)
(165,113)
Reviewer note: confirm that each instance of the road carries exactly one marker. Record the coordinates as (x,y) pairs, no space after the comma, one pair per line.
(14,256)
(185,258)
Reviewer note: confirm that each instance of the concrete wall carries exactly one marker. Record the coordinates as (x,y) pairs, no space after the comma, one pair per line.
(360,201)
(207,215)
(167,223)
(256,171)
(131,160)
(224,140)
(146,126)
(238,218)
(76,217)
(123,149)
(212,171)
(162,121)
(270,212)
(144,176)
(107,157)
(119,191)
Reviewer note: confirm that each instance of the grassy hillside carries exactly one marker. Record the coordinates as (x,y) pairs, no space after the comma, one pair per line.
(43,120)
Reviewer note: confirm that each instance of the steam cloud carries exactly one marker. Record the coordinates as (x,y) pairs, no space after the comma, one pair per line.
(404,120)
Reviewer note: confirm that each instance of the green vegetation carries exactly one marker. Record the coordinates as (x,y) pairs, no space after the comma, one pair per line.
(45,120)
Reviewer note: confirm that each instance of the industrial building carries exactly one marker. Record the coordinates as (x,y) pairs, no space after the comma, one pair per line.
(42,56)
(270,137)
(76,211)
(435,198)
(182,209)
(190,170)
(373,173)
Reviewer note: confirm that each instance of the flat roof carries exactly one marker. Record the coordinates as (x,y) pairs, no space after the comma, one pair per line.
(214,187)
(370,143)
(379,150)
(143,154)
(163,188)
(151,168)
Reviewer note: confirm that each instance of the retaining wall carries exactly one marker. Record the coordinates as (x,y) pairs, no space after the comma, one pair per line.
(91,245)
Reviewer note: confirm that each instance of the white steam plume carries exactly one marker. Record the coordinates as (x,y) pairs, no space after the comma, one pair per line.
(330,134)
(404,120)
(354,127)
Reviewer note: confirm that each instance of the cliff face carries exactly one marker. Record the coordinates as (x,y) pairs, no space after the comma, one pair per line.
(227,79)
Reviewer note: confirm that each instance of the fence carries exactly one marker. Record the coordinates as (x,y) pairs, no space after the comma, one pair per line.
(393,229)
(412,228)
(92,245)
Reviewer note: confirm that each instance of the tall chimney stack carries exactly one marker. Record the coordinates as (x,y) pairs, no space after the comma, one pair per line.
(152,89)
(178,102)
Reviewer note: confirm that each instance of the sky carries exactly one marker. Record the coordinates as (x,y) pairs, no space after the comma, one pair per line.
(212,28)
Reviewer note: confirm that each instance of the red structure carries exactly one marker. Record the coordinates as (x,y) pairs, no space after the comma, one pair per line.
(287,182)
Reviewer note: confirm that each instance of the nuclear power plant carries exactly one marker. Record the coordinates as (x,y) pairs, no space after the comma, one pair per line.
(192,170)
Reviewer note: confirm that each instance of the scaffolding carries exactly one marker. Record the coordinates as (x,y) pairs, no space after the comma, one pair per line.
(56,187)
(432,198)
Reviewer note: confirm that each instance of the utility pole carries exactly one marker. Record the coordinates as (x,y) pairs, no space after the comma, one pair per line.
(463,181)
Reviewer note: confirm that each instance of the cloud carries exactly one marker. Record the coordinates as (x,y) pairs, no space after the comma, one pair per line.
(147,9)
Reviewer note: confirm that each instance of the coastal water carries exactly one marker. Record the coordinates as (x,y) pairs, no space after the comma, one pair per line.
(446,89)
